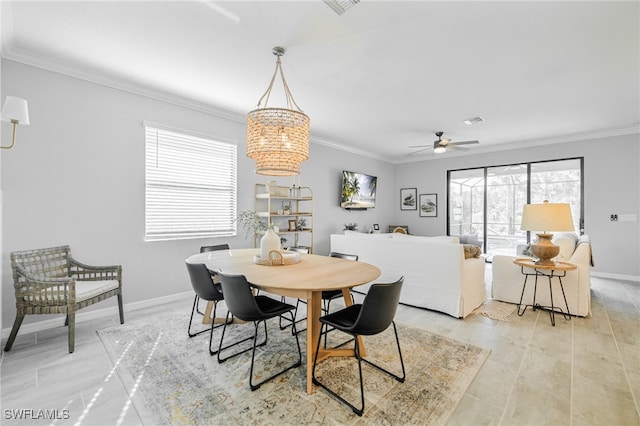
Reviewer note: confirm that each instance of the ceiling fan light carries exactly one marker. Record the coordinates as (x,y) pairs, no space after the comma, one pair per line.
(439,149)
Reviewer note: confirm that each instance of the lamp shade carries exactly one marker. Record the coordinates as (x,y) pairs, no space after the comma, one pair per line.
(547,217)
(15,109)
(278,139)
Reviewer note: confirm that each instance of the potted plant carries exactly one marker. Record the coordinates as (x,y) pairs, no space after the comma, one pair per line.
(252,223)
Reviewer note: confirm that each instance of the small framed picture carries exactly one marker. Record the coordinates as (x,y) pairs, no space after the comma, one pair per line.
(292,225)
(408,199)
(376,227)
(428,205)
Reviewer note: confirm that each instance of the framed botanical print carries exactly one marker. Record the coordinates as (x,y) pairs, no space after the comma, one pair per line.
(408,199)
(428,205)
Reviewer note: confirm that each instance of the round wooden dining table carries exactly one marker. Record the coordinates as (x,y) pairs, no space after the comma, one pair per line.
(306,280)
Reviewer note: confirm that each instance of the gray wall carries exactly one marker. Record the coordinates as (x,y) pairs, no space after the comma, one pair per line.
(76,176)
(611,180)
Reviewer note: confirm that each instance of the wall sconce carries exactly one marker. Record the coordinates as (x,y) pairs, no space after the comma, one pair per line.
(16,111)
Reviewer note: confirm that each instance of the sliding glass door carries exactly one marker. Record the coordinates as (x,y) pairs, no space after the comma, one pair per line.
(506,197)
(488,201)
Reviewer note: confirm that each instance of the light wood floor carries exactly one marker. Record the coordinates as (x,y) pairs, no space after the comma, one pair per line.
(582,372)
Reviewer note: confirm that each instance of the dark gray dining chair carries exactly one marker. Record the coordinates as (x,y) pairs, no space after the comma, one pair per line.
(243,304)
(373,316)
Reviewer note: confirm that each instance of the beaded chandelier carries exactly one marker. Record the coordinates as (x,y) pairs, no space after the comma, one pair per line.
(278,138)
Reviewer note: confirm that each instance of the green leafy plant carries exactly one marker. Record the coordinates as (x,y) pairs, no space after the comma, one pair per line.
(252,223)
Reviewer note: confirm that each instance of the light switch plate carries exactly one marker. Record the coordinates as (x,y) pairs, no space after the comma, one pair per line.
(627,217)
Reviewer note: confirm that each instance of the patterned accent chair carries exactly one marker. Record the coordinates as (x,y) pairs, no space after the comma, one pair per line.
(50,281)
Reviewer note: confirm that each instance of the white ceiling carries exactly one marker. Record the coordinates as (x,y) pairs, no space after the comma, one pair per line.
(381,77)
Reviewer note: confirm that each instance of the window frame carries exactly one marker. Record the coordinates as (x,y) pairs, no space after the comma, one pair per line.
(194,193)
(528,164)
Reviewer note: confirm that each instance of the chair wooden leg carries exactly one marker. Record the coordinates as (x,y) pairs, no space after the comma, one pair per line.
(121,308)
(14,332)
(72,331)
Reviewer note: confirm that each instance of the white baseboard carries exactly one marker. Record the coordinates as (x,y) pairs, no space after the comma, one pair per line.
(616,276)
(94,314)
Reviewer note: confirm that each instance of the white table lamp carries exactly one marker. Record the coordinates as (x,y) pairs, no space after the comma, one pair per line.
(543,218)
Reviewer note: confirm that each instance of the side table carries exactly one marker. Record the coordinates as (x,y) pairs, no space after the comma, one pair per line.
(558,270)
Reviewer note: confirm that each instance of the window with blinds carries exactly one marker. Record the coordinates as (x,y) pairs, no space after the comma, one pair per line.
(190,186)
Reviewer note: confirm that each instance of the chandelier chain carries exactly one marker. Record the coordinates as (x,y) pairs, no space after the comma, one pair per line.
(290,101)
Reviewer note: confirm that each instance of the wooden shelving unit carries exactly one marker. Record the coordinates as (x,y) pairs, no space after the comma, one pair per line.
(271,203)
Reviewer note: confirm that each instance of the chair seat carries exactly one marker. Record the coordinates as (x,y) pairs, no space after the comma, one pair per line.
(271,307)
(85,290)
(331,294)
(343,319)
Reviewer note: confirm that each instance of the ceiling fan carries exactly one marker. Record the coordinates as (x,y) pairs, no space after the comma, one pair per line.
(442,145)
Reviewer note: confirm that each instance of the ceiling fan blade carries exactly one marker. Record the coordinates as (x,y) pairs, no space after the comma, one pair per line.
(420,146)
(463,143)
(456,147)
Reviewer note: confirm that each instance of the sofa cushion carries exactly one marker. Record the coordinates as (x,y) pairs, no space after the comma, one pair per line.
(357,234)
(418,238)
(471,250)
(567,242)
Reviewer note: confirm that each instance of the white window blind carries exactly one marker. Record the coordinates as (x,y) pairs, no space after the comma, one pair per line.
(190,189)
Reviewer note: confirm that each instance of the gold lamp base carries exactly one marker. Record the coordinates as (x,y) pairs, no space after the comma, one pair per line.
(545,250)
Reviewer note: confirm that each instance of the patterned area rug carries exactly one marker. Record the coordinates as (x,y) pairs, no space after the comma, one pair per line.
(496,310)
(171,379)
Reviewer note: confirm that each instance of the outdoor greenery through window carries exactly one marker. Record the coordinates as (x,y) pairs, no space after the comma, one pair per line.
(190,186)
(488,201)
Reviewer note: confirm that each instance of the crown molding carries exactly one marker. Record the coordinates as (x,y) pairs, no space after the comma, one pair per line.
(349,149)
(104,79)
(95,76)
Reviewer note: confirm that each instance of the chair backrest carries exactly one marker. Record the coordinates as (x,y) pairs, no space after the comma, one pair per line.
(378,308)
(304,250)
(214,248)
(52,262)
(202,282)
(239,298)
(343,255)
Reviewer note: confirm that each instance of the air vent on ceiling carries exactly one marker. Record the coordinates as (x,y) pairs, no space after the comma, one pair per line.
(474,120)
(340,6)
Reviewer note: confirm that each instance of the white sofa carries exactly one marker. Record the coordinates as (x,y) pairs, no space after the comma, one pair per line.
(508,279)
(436,274)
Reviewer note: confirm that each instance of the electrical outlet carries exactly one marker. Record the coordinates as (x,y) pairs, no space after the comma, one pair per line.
(614,217)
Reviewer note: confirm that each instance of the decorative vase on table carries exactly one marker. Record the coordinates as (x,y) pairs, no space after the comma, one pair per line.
(269,241)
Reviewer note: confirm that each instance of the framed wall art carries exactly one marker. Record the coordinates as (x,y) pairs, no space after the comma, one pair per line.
(428,205)
(408,199)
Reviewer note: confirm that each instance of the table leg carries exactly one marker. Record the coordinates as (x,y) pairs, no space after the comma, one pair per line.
(567,316)
(552,313)
(313,332)
(206,318)
(524,286)
(348,301)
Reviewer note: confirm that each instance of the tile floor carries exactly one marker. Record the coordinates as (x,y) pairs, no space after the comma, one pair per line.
(582,372)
